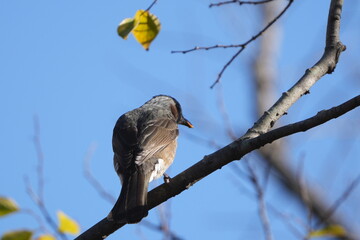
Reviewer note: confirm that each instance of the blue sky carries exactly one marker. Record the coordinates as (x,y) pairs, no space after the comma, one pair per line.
(63,62)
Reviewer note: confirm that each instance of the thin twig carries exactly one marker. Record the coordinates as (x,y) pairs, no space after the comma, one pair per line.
(266,176)
(159,228)
(260,196)
(37,218)
(224,113)
(289,220)
(286,218)
(92,180)
(239,172)
(341,199)
(40,157)
(40,204)
(165,217)
(151,5)
(164,221)
(241,46)
(209,48)
(39,197)
(304,192)
(249,41)
(226,66)
(239,2)
(198,139)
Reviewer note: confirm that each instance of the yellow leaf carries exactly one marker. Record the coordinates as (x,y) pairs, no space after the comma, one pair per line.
(7,206)
(146,29)
(66,224)
(46,237)
(17,235)
(329,231)
(125,27)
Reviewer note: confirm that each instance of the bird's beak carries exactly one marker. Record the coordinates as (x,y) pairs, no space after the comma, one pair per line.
(185,122)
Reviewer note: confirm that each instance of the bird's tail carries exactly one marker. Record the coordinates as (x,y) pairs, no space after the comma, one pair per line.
(131,205)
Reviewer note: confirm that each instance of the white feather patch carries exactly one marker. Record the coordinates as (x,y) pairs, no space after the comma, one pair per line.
(159,170)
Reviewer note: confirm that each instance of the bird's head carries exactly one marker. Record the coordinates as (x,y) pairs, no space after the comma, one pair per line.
(173,105)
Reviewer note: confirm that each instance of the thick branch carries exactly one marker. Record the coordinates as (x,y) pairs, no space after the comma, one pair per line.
(209,164)
(325,65)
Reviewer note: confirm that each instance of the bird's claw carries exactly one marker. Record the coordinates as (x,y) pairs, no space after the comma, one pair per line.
(166,178)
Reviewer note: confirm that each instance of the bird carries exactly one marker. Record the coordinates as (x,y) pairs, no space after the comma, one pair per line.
(144,144)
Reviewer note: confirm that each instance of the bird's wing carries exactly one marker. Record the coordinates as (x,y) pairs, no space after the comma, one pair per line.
(156,136)
(124,143)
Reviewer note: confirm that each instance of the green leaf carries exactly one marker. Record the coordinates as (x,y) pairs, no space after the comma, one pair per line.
(147,28)
(17,235)
(7,206)
(67,224)
(125,27)
(329,231)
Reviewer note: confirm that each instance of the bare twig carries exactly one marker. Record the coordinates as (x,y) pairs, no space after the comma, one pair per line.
(92,180)
(165,217)
(241,46)
(151,5)
(226,119)
(208,142)
(239,171)
(37,218)
(304,193)
(40,157)
(249,41)
(260,197)
(341,199)
(209,48)
(157,227)
(40,204)
(266,176)
(38,198)
(289,220)
(239,2)
(226,66)
(236,180)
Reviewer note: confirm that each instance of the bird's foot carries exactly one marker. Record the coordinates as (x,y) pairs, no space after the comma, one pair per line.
(166,178)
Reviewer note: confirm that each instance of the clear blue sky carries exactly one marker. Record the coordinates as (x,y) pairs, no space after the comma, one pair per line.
(63,62)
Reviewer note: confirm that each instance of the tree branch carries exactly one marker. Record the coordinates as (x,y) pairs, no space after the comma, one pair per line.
(325,65)
(151,5)
(241,46)
(210,163)
(261,202)
(239,2)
